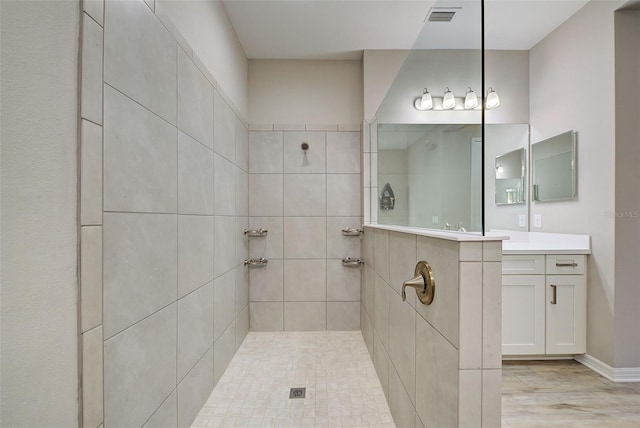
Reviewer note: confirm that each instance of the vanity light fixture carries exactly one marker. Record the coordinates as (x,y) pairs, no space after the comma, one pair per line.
(426,102)
(493,100)
(470,99)
(448,101)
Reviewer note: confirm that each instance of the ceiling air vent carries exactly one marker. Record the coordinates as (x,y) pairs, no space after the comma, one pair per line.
(437,14)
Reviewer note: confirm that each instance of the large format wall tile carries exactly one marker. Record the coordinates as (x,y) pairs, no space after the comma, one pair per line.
(242,326)
(194,389)
(437,379)
(381,362)
(91,173)
(305,280)
(195,327)
(92,54)
(266,152)
(91,277)
(402,409)
(305,195)
(140,267)
(343,316)
(224,298)
(305,316)
(402,342)
(266,195)
(223,351)
(242,146)
(343,195)
(225,245)
(443,312)
(140,369)
(224,186)
(267,283)
(140,157)
(242,192)
(305,237)
(166,415)
(402,262)
(195,177)
(92,381)
(381,311)
(242,288)
(195,101)
(242,243)
(266,316)
(339,246)
(297,160)
(343,283)
(140,57)
(195,252)
(224,127)
(343,152)
(270,246)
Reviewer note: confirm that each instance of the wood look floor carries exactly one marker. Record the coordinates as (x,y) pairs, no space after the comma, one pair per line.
(565,394)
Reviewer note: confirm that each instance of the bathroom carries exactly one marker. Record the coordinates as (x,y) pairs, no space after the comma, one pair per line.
(227,130)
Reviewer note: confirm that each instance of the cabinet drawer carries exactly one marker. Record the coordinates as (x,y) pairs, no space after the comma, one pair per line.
(560,264)
(525,264)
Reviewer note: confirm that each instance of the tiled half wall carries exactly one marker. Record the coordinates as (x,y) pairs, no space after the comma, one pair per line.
(164,201)
(439,364)
(304,199)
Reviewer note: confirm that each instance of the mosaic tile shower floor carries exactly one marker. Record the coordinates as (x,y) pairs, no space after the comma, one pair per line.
(342,388)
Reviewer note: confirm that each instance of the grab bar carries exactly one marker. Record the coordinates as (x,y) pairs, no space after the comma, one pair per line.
(256,263)
(352,263)
(256,233)
(348,231)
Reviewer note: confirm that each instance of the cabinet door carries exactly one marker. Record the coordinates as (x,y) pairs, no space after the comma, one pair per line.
(566,314)
(522,314)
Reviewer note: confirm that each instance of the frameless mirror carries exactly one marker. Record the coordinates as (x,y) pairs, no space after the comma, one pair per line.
(510,178)
(553,167)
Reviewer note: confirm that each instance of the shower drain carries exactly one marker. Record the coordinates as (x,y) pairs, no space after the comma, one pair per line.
(297,392)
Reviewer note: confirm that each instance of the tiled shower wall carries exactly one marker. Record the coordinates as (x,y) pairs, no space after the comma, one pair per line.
(439,364)
(164,201)
(304,200)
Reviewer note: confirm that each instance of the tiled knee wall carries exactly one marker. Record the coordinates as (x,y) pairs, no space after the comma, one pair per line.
(164,201)
(439,364)
(304,200)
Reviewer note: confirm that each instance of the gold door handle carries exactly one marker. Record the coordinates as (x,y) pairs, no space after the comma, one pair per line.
(423,282)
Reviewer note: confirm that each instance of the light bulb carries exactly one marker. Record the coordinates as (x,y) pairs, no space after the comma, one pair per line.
(426,103)
(470,100)
(448,102)
(493,100)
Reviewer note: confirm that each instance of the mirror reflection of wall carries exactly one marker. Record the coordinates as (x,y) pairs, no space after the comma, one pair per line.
(553,168)
(428,168)
(504,139)
(511,178)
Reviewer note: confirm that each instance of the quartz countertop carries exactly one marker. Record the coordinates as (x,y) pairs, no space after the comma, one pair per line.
(441,234)
(543,243)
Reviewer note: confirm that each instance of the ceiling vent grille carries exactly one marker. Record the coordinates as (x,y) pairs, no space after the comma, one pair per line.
(441,14)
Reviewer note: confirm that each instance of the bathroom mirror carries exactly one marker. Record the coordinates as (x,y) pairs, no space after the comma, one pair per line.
(553,168)
(510,178)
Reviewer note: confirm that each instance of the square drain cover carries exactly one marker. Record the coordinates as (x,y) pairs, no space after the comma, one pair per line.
(297,392)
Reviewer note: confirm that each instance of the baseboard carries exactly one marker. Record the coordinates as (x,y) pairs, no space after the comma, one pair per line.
(631,374)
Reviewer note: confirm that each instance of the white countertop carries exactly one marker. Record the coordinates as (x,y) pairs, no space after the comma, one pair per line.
(543,243)
(441,234)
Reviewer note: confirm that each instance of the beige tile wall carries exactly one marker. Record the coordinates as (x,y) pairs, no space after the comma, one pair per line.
(304,203)
(439,364)
(164,171)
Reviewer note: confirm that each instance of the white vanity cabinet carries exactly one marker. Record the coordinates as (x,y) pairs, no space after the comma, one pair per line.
(544,304)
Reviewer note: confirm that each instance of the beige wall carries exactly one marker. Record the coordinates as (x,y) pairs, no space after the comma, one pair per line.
(627,226)
(572,87)
(207,29)
(379,69)
(305,92)
(39,191)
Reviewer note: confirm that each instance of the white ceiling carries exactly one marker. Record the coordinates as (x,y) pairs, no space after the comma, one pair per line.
(341,29)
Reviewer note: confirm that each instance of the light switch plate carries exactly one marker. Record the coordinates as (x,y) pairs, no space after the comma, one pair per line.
(522,220)
(537,221)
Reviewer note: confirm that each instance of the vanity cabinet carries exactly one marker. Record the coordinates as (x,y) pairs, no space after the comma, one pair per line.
(544,304)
